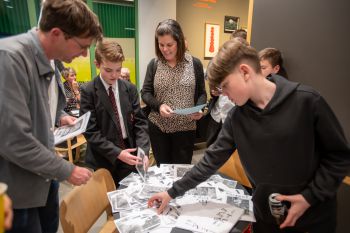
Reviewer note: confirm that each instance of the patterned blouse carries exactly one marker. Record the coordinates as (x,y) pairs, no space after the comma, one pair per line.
(174,86)
(72,101)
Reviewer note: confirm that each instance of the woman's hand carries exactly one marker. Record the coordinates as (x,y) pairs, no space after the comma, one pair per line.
(196,116)
(165,111)
(75,86)
(162,198)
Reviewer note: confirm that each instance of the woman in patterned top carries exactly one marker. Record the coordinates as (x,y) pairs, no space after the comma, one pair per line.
(72,89)
(174,80)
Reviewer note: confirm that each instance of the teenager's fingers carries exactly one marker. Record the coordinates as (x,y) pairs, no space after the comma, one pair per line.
(282,198)
(286,222)
(290,220)
(161,207)
(131,149)
(151,201)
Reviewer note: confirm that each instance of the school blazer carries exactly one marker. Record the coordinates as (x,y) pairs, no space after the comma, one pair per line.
(101,133)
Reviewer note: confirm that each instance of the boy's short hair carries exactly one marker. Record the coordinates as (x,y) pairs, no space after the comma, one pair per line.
(230,55)
(73,17)
(239,33)
(108,50)
(172,28)
(273,55)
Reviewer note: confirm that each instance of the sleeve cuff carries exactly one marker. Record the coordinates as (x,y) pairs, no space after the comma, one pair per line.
(172,193)
(65,172)
(309,197)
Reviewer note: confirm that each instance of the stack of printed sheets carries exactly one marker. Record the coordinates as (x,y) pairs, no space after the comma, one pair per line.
(213,206)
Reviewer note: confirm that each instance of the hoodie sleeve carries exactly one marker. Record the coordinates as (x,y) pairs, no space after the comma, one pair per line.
(214,157)
(335,155)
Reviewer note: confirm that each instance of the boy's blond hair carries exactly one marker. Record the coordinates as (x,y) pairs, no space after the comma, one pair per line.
(108,50)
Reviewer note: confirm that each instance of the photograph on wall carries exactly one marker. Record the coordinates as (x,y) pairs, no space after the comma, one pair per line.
(231,24)
(211,40)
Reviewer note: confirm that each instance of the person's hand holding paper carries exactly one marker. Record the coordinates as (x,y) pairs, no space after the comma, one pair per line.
(165,110)
(196,116)
(189,111)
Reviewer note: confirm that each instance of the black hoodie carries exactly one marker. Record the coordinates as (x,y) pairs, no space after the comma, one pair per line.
(295,145)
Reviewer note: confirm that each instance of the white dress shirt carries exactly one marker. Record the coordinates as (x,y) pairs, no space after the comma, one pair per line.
(53,96)
(116,96)
(221,108)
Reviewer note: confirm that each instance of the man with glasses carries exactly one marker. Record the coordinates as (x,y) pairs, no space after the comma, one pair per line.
(32,100)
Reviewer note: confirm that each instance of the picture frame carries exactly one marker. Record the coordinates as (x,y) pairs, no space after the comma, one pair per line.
(211,40)
(231,24)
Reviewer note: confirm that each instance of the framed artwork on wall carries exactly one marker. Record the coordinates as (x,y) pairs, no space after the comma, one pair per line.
(211,40)
(231,24)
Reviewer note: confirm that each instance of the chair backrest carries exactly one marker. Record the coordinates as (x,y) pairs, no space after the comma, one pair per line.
(233,168)
(81,208)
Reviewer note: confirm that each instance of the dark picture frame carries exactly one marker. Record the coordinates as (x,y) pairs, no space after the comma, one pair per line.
(231,24)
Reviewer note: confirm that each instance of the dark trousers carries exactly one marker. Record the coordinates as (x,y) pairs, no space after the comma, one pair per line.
(213,130)
(328,226)
(41,219)
(171,148)
(121,169)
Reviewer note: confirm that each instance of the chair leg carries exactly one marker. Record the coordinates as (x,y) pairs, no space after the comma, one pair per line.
(70,154)
(77,154)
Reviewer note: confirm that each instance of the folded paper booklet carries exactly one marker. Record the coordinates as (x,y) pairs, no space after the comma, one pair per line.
(187,111)
(69,131)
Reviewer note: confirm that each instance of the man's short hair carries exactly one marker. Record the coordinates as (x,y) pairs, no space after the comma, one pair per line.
(108,50)
(73,17)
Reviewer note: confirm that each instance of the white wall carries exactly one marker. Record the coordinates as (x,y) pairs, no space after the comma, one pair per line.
(151,12)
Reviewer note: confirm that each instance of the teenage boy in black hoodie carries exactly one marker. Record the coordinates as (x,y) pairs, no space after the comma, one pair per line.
(288,139)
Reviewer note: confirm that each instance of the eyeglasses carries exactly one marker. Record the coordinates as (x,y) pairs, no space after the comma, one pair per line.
(219,89)
(82,47)
(68,36)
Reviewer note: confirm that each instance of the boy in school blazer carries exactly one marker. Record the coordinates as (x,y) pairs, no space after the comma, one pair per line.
(117,125)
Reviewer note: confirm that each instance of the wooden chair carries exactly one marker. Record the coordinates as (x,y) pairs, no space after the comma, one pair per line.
(81,208)
(233,169)
(69,149)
